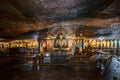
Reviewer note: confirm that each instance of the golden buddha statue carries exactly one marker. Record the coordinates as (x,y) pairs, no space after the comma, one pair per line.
(61,42)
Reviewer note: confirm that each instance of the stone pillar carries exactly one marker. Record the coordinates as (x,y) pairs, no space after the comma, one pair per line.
(115,44)
(119,45)
(111,44)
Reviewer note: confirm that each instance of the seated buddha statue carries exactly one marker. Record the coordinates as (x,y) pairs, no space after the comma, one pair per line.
(61,42)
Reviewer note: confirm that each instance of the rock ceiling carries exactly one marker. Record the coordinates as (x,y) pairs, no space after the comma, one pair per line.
(28,18)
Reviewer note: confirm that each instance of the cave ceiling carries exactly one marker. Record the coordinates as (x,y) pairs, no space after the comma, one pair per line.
(29,18)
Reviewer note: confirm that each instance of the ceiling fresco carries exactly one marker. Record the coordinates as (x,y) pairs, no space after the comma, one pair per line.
(28,18)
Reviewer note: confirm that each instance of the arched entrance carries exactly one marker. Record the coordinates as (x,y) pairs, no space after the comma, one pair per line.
(60,44)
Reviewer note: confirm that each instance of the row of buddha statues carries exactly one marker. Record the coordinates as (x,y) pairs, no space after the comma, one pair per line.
(102,43)
(19,43)
(86,43)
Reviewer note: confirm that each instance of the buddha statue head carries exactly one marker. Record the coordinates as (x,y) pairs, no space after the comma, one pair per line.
(61,36)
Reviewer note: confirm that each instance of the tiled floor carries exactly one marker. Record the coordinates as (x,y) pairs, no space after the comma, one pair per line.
(26,72)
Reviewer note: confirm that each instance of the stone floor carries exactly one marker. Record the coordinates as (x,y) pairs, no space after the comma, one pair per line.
(113,70)
(27,72)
